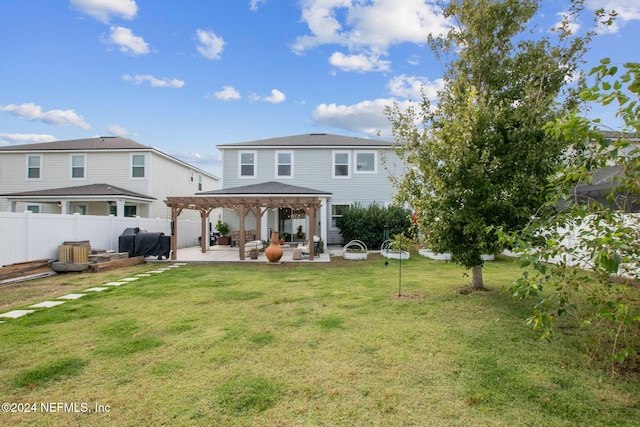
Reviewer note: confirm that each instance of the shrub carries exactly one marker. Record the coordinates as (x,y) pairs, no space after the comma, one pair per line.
(368,224)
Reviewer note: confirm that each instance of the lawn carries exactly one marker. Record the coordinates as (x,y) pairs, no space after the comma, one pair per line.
(319,344)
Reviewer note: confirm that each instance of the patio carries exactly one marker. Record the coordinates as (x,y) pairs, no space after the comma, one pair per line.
(231,254)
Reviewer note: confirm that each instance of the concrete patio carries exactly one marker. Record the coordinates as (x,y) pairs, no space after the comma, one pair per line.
(231,254)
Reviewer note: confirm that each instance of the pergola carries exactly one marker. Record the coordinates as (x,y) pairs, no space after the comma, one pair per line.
(255,199)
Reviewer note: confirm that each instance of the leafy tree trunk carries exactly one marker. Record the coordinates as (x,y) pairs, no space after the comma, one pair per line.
(476,277)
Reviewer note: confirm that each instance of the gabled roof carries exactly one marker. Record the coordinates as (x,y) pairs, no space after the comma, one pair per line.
(90,190)
(266,188)
(88,144)
(312,140)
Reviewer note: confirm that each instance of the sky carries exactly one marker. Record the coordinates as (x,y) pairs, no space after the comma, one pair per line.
(182,76)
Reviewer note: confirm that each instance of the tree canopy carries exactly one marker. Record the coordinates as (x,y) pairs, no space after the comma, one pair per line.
(479,158)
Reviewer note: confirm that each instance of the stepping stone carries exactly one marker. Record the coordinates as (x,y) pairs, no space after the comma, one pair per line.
(129,279)
(46,304)
(96,289)
(156,271)
(143,275)
(179,264)
(72,296)
(115,283)
(16,313)
(163,269)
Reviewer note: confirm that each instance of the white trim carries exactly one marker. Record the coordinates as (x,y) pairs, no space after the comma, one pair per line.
(277,164)
(375,162)
(333,164)
(84,166)
(255,164)
(40,167)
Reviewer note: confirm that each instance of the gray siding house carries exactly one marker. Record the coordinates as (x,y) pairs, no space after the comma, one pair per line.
(96,176)
(340,170)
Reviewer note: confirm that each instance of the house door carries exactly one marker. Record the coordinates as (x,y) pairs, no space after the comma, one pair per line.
(293,224)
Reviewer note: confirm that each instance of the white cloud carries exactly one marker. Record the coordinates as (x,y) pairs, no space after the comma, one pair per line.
(210,46)
(253,4)
(31,111)
(276,97)
(103,10)
(119,130)
(413,86)
(627,10)
(128,42)
(26,138)
(226,94)
(194,157)
(372,26)
(364,117)
(153,81)
(360,62)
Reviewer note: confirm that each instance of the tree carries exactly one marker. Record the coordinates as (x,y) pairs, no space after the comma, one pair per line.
(480,159)
(604,242)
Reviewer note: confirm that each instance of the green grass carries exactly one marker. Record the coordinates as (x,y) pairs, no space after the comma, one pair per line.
(302,345)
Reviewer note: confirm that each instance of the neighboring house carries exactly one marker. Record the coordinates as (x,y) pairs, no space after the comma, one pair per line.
(339,170)
(603,181)
(95,176)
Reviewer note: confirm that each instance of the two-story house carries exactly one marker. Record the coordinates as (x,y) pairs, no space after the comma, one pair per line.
(95,176)
(338,170)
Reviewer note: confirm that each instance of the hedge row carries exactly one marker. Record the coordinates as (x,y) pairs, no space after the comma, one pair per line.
(368,224)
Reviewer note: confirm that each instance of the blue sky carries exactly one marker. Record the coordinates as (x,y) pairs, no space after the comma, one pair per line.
(183,76)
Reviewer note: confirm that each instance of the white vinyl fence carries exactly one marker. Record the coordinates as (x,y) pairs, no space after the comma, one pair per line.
(27,236)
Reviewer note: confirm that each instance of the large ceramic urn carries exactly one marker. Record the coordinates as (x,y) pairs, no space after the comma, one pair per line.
(273,251)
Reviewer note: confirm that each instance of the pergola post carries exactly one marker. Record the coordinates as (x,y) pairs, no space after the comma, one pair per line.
(175,212)
(204,239)
(311,213)
(243,233)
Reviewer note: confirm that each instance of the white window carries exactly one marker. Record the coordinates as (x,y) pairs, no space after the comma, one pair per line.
(366,162)
(336,212)
(284,164)
(80,209)
(199,182)
(34,167)
(341,164)
(247,164)
(78,166)
(137,166)
(190,176)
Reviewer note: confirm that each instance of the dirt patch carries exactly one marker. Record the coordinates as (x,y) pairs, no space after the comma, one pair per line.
(410,296)
(469,290)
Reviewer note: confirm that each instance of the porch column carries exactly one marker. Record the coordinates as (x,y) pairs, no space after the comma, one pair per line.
(324,227)
(264,223)
(64,207)
(120,208)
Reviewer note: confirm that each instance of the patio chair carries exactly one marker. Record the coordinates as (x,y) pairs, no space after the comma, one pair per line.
(254,244)
(316,247)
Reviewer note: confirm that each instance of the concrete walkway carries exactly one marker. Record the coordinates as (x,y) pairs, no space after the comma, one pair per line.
(45,305)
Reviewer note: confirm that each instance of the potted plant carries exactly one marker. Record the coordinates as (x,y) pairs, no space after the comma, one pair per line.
(254,252)
(223,229)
